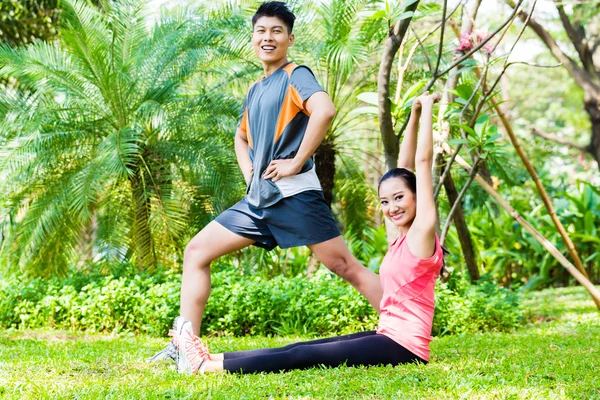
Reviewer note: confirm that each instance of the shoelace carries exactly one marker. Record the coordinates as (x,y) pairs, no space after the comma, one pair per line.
(198,343)
(196,351)
(201,347)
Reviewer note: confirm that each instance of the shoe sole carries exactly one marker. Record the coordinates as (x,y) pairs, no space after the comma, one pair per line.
(183,365)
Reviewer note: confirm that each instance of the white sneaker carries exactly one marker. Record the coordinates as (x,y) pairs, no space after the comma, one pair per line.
(192,351)
(171,352)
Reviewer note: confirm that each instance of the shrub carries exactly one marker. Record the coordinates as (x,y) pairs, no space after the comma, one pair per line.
(321,305)
(239,305)
(465,308)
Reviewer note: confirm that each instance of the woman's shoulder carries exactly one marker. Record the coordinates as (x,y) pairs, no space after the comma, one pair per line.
(435,258)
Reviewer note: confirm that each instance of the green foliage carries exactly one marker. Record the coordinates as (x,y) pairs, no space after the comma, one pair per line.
(472,128)
(481,138)
(511,256)
(109,155)
(256,261)
(321,305)
(98,304)
(23,21)
(338,40)
(465,308)
(239,305)
(358,203)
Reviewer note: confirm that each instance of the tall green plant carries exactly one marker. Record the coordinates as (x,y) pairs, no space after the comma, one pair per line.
(337,39)
(358,204)
(108,153)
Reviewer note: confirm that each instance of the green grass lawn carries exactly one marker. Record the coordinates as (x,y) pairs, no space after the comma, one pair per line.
(556,356)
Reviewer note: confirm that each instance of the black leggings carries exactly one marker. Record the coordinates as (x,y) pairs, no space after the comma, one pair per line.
(363,348)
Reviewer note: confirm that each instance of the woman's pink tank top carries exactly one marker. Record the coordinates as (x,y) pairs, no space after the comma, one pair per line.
(408,296)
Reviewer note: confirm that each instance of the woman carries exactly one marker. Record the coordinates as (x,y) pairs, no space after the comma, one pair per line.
(408,273)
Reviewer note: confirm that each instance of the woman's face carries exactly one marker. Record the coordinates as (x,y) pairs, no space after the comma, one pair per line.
(397,202)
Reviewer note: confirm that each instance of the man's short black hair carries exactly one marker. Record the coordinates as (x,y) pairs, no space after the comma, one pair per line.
(275,9)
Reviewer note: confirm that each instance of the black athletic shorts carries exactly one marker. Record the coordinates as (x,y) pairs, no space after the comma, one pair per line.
(298,220)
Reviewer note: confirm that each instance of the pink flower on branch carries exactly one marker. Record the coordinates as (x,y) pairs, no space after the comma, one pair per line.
(468,40)
(480,36)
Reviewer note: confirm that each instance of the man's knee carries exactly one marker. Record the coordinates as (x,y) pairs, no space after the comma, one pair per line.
(196,250)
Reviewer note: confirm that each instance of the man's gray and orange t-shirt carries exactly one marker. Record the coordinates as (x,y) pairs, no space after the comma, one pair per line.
(275,120)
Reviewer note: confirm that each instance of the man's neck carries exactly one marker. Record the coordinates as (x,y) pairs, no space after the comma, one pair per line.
(270,68)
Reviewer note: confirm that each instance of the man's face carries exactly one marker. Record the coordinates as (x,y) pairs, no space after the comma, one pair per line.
(270,39)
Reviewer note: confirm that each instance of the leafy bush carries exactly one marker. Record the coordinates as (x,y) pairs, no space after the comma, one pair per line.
(513,257)
(106,304)
(323,304)
(239,305)
(465,308)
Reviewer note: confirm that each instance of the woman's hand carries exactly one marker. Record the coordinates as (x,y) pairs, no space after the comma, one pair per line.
(425,99)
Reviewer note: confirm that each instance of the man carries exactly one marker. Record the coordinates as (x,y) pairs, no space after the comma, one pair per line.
(285,116)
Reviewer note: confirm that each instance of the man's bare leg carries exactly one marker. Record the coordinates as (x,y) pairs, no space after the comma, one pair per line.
(209,244)
(336,256)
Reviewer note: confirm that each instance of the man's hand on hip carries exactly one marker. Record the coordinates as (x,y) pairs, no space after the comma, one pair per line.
(280,169)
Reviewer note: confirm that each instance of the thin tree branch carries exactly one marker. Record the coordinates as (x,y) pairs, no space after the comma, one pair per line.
(420,43)
(437,75)
(535,64)
(441,44)
(438,187)
(578,40)
(483,42)
(558,139)
(479,106)
(480,84)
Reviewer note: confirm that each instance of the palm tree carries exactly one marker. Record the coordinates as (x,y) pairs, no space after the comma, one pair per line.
(105,135)
(338,39)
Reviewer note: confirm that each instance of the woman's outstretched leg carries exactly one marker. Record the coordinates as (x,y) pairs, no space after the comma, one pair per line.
(259,352)
(367,351)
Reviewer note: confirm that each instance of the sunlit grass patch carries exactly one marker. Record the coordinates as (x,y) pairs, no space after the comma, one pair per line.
(556,359)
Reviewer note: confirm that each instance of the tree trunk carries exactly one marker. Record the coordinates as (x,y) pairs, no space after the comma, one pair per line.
(325,166)
(458,203)
(466,243)
(391,144)
(85,248)
(591,107)
(141,235)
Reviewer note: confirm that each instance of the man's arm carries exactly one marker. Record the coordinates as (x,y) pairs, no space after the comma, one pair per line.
(241,153)
(321,110)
